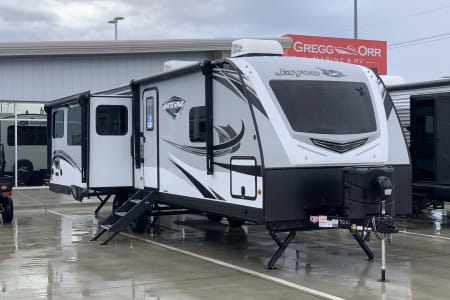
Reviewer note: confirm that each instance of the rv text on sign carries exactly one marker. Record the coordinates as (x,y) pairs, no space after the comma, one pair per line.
(367,53)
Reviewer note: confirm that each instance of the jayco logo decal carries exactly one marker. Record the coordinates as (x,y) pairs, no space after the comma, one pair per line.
(331,73)
(174,106)
(297,73)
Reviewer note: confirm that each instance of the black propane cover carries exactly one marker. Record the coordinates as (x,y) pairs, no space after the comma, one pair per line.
(361,196)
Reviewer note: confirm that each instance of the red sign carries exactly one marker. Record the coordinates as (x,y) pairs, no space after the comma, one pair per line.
(372,54)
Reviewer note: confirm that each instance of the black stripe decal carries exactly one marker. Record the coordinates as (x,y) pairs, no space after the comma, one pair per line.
(217,195)
(248,170)
(252,99)
(218,150)
(59,154)
(203,190)
(387,105)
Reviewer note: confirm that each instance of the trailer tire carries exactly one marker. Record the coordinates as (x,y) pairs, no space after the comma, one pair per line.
(213,218)
(140,224)
(8,210)
(119,199)
(235,222)
(25,169)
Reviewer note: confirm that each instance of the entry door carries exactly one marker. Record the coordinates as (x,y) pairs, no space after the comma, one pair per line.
(442,104)
(423,139)
(149,109)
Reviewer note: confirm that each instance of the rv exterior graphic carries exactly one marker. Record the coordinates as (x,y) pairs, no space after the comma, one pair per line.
(292,143)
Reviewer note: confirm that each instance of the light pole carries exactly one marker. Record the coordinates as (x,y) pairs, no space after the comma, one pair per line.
(355,20)
(115,21)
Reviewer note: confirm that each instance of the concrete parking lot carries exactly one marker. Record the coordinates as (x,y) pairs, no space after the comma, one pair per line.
(46,254)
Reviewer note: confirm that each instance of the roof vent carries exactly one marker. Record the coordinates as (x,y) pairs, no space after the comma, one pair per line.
(249,47)
(171,65)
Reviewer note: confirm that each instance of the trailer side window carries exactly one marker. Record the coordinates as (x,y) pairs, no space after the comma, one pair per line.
(112,120)
(74,126)
(197,124)
(149,113)
(58,124)
(28,135)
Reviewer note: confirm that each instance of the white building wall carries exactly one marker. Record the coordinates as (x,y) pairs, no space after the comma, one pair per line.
(45,78)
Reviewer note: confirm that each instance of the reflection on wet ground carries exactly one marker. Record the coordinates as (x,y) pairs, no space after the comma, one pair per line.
(48,256)
(44,255)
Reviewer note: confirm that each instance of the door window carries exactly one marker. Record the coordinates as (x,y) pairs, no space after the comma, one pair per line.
(423,140)
(149,113)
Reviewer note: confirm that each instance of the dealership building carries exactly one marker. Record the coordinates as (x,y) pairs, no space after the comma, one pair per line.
(32,74)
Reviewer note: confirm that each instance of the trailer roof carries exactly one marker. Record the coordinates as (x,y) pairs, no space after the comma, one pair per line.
(418,85)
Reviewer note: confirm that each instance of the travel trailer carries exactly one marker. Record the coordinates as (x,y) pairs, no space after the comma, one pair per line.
(424,108)
(291,143)
(31,150)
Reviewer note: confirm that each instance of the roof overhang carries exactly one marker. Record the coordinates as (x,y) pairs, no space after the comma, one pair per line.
(20,49)
(419,85)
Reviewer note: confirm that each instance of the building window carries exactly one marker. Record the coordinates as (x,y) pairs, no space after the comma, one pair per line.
(58,124)
(74,126)
(197,124)
(149,113)
(28,135)
(112,120)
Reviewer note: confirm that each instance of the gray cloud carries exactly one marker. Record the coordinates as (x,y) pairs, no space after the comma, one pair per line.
(394,21)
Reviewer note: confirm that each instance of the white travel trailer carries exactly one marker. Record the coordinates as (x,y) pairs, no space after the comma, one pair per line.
(31,150)
(292,143)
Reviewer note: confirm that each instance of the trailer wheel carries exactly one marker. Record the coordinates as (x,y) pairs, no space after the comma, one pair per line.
(214,218)
(235,222)
(8,210)
(25,171)
(119,199)
(140,224)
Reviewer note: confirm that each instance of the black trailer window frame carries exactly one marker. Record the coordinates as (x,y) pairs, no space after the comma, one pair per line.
(111,120)
(326,107)
(27,135)
(197,124)
(74,126)
(149,113)
(58,124)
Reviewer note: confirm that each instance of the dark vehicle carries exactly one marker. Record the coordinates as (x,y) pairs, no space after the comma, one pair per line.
(6,182)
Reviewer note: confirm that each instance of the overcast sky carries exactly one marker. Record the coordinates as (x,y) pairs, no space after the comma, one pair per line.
(393,21)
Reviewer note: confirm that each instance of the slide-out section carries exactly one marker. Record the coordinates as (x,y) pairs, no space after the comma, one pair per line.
(110,157)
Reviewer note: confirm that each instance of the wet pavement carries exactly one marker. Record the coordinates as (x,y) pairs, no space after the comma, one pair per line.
(46,254)
(43,198)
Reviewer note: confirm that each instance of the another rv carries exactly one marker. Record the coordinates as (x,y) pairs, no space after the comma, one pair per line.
(31,150)
(292,143)
(424,109)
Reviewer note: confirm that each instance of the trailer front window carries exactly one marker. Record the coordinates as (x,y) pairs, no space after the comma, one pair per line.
(326,107)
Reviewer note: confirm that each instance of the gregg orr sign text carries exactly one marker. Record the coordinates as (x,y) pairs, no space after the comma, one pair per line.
(368,53)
